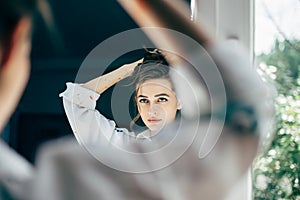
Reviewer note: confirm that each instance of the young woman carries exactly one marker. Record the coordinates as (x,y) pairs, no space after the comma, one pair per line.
(155,99)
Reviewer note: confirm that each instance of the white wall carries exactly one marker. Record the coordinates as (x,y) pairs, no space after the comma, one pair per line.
(228,18)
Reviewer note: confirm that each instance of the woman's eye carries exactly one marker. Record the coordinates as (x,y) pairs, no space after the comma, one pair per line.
(162,99)
(143,100)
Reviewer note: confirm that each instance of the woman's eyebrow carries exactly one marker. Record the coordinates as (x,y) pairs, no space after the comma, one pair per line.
(162,94)
(142,96)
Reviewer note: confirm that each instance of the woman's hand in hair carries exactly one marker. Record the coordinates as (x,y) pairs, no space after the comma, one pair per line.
(131,66)
(103,82)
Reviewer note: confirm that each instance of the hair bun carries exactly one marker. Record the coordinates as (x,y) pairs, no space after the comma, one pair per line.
(154,56)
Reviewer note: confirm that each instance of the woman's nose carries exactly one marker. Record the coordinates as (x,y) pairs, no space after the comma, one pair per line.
(153,109)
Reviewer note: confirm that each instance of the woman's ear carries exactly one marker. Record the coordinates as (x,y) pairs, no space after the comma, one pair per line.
(179,104)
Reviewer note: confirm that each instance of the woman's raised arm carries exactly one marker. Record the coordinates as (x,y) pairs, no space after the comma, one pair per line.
(102,83)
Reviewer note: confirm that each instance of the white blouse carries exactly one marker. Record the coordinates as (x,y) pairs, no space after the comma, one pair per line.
(88,124)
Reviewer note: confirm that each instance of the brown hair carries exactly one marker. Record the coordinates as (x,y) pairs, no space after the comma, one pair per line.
(154,65)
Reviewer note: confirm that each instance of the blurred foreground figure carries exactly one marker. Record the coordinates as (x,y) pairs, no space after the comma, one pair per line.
(178,164)
(15,45)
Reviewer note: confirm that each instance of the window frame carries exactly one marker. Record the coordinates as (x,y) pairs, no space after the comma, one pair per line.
(229,19)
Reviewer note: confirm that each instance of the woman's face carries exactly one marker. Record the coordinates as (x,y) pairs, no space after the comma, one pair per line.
(157,103)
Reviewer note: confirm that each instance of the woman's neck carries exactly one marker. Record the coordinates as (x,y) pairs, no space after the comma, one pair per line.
(149,133)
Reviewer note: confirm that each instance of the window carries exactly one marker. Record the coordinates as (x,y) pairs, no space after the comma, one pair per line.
(275,48)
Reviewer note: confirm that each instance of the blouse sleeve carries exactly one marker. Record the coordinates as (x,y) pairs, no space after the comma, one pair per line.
(88,124)
(15,172)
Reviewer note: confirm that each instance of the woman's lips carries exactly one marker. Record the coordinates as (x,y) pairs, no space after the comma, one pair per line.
(154,120)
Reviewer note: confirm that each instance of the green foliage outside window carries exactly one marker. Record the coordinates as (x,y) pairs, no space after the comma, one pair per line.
(276,172)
